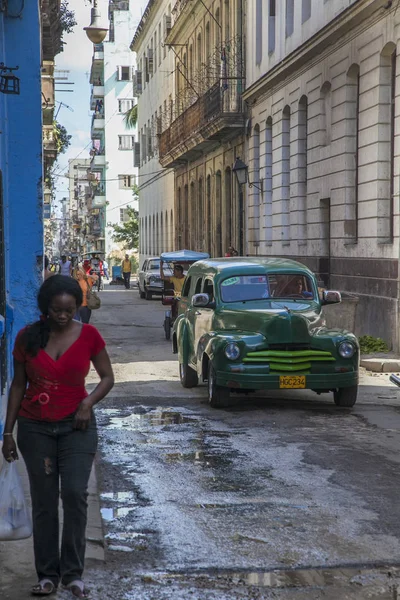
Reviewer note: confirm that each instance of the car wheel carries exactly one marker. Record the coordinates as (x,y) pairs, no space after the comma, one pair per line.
(141,294)
(346,397)
(218,396)
(167,328)
(188,376)
(147,294)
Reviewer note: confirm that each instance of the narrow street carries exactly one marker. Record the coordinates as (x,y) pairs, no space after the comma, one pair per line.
(282,496)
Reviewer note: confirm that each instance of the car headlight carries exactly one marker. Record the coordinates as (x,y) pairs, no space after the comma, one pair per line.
(151,279)
(346,349)
(232,351)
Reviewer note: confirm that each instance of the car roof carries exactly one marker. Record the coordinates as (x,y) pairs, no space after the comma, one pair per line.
(234,265)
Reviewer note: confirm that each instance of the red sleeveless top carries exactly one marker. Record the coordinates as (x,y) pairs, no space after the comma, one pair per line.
(56,387)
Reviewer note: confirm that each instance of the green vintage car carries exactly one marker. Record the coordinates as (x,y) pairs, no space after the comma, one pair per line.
(251,324)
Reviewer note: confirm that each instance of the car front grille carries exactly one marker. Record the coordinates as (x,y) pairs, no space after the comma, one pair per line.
(289,360)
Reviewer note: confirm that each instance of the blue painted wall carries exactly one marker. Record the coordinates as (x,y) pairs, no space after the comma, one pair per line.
(21,166)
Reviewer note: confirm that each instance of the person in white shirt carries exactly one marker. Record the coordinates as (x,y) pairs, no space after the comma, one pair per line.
(65,266)
(105,269)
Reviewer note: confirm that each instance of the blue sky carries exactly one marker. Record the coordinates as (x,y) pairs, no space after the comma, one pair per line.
(77,59)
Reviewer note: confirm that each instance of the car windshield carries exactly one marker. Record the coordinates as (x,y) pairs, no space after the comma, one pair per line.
(154,265)
(243,288)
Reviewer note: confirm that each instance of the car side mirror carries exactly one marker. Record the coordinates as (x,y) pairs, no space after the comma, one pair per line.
(201,300)
(331,297)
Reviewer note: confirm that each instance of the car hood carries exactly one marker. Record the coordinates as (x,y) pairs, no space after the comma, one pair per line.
(279,324)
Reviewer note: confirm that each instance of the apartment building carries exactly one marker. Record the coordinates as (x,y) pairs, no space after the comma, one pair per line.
(114,175)
(202,126)
(323,138)
(154,83)
(82,225)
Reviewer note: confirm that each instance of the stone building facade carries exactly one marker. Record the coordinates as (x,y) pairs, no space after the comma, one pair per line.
(322,92)
(202,131)
(154,86)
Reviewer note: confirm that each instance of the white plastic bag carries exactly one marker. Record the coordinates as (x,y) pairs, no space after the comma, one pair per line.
(15,519)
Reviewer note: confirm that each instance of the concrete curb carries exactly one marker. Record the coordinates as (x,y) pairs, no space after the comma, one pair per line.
(381,365)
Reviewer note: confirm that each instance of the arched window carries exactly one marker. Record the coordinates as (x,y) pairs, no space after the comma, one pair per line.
(259,30)
(227,27)
(305,10)
(162,243)
(199,57)
(254,192)
(167,239)
(227,209)
(218,215)
(208,214)
(271,25)
(353,137)
(217,27)
(185,231)
(326,113)
(302,172)
(192,233)
(171,224)
(285,185)
(268,199)
(200,215)
(386,120)
(180,220)
(289,17)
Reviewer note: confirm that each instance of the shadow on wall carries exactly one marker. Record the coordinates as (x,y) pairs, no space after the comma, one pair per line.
(365,315)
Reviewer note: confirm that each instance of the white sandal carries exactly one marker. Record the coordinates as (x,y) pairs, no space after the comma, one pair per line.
(77,588)
(40,588)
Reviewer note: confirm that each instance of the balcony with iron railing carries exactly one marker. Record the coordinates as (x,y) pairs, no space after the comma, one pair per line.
(208,111)
(215,117)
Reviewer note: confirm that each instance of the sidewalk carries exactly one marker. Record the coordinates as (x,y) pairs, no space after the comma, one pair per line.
(17,573)
(381,362)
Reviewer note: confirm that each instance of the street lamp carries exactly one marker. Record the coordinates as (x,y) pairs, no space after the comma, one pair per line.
(95,32)
(242,175)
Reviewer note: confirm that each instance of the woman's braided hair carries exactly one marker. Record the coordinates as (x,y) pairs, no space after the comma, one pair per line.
(37,334)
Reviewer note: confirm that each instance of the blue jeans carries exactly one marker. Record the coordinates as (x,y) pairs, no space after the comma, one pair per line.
(56,453)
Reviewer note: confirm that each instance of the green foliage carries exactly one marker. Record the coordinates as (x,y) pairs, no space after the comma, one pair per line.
(370,344)
(61,137)
(130,117)
(67,18)
(127,233)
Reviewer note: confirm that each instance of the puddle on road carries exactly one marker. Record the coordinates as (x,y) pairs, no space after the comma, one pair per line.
(303,578)
(109,514)
(119,497)
(138,419)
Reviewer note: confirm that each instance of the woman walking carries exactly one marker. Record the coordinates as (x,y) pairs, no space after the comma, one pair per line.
(86,283)
(57,434)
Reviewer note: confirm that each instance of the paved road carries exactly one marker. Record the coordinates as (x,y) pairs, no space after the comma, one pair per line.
(283,496)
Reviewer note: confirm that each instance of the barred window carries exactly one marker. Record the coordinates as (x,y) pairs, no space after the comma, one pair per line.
(126,181)
(126,142)
(123,215)
(124,105)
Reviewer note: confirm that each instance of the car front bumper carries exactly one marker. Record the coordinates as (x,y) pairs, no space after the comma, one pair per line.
(268,381)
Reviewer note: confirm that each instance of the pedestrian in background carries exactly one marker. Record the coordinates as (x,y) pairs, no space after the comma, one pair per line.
(47,272)
(57,434)
(126,271)
(65,266)
(85,283)
(105,269)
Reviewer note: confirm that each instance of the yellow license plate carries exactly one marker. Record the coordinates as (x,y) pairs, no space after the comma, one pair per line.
(292,381)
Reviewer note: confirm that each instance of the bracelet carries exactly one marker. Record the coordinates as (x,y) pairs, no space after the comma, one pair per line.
(7,434)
